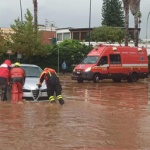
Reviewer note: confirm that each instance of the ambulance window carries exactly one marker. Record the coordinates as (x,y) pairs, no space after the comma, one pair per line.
(115,59)
(103,60)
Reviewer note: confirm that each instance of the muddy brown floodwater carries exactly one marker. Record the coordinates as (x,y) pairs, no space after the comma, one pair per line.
(103,116)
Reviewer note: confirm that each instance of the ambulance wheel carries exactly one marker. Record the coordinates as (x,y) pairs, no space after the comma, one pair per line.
(80,80)
(133,77)
(96,78)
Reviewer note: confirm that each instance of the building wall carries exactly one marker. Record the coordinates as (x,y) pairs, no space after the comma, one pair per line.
(47,36)
(5,31)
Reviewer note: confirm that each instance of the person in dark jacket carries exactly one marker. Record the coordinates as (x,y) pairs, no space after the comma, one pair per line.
(17,79)
(4,77)
(53,85)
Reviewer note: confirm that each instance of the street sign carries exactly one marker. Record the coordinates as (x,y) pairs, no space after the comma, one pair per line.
(19,56)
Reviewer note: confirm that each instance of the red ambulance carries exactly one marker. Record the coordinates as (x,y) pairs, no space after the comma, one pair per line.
(113,62)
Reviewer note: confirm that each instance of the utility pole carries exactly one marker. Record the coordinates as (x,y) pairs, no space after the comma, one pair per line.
(90,24)
(21,11)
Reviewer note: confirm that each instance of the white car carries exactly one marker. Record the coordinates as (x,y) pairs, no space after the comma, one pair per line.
(30,88)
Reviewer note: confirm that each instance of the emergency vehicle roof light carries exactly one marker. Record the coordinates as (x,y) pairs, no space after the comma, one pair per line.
(139,49)
(114,48)
(96,47)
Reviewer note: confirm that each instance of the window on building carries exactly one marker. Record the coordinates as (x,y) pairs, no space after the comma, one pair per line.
(83,35)
(59,36)
(115,59)
(76,35)
(66,36)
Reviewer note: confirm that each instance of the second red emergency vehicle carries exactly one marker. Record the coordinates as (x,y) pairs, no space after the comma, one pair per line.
(113,62)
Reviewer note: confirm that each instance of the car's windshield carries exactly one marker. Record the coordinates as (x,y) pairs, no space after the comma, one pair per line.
(90,60)
(32,71)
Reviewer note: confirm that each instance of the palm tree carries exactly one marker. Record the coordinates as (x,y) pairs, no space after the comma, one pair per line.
(35,4)
(126,4)
(135,8)
(139,17)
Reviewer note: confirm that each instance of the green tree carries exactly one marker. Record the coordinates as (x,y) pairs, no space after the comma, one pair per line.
(72,50)
(112,13)
(108,34)
(1,42)
(24,40)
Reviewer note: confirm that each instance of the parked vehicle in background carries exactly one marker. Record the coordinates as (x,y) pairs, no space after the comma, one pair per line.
(30,88)
(113,62)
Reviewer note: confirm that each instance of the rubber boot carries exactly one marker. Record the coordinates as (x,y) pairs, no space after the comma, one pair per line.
(4,91)
(61,101)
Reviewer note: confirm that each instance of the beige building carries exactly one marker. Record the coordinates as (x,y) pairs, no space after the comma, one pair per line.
(7,30)
(48,33)
(4,31)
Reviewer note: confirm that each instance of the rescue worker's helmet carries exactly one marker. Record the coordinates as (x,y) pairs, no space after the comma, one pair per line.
(17,64)
(8,62)
(46,69)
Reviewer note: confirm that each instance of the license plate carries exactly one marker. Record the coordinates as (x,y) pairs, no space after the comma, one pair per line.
(44,94)
(78,72)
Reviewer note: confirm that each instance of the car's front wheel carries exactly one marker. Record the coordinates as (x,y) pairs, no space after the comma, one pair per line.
(96,78)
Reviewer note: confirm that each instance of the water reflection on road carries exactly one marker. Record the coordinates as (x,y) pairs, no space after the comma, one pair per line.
(95,117)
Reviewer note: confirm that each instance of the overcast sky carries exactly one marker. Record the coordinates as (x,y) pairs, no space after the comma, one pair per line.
(66,13)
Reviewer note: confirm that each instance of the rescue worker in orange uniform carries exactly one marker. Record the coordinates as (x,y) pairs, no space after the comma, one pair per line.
(53,85)
(17,79)
(4,77)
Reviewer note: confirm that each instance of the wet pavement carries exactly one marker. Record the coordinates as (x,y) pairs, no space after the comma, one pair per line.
(103,116)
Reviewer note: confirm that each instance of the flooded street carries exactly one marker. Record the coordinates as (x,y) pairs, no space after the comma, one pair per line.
(103,116)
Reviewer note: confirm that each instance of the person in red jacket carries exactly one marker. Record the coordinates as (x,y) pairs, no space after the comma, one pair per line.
(53,85)
(17,79)
(4,77)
